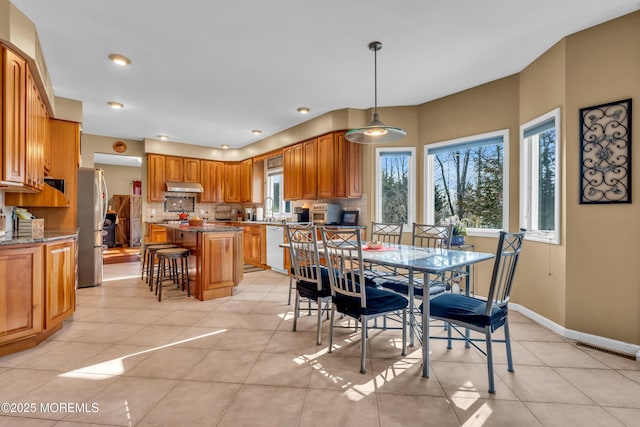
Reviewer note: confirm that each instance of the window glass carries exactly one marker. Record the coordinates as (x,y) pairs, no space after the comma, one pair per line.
(275,192)
(395,184)
(465,178)
(539,176)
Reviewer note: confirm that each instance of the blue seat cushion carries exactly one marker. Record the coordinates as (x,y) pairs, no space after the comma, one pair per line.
(378,301)
(310,289)
(435,288)
(456,307)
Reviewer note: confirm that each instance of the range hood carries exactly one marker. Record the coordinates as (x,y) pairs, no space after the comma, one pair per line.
(184,187)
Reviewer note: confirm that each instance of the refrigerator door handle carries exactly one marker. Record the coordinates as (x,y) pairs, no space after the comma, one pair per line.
(105,197)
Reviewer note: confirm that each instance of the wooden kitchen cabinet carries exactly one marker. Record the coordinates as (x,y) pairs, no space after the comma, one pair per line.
(156,233)
(255,244)
(60,280)
(173,168)
(232,182)
(217,279)
(348,169)
(20,293)
(310,169)
(327,167)
(14,75)
(191,170)
(155,177)
(292,172)
(212,181)
(251,181)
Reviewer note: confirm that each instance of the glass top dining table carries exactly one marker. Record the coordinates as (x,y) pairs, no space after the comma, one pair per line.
(424,261)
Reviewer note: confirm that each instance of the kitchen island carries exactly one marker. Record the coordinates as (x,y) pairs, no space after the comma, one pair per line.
(216,257)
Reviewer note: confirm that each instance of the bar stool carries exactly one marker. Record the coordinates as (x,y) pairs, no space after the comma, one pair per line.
(145,246)
(178,273)
(151,253)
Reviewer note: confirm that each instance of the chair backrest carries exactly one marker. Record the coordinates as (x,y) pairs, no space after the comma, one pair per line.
(303,253)
(432,236)
(387,232)
(504,269)
(343,252)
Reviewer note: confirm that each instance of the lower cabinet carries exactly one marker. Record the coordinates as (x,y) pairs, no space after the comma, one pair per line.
(156,233)
(37,292)
(218,263)
(255,244)
(61,280)
(21,296)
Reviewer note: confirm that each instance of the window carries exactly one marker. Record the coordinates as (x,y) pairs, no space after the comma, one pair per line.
(540,178)
(275,191)
(468,178)
(395,185)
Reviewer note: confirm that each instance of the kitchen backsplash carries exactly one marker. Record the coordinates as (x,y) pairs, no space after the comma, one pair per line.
(155,211)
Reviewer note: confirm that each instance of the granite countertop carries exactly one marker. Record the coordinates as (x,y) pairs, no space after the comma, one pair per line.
(206,228)
(23,237)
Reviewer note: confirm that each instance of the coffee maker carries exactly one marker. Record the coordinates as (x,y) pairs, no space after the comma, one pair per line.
(248,214)
(301,214)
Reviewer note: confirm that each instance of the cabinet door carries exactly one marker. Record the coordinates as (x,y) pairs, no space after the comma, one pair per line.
(310,169)
(341,156)
(232,182)
(246,181)
(326,167)
(158,233)
(155,177)
(34,136)
(14,97)
(222,273)
(20,293)
(254,244)
(354,170)
(60,282)
(191,170)
(173,168)
(207,180)
(292,172)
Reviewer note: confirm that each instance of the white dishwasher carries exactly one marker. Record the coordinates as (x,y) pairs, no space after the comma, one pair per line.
(275,254)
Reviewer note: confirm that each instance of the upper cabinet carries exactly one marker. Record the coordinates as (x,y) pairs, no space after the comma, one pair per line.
(310,169)
(251,181)
(325,167)
(14,76)
(191,170)
(232,182)
(292,172)
(173,168)
(212,181)
(155,177)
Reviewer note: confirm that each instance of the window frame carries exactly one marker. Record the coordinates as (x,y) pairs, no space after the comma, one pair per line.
(411,196)
(526,194)
(429,169)
(268,193)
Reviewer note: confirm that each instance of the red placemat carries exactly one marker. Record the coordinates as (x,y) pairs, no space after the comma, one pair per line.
(382,249)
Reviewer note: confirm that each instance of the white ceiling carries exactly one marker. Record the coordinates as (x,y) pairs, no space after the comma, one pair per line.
(208,72)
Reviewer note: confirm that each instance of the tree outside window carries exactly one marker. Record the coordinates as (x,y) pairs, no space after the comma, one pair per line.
(395,184)
(466,178)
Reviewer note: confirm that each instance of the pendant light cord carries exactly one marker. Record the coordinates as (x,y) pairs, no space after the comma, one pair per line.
(375,81)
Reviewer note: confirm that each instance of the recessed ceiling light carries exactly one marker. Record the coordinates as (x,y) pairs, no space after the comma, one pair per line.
(115,105)
(256,131)
(163,137)
(119,59)
(224,146)
(303,110)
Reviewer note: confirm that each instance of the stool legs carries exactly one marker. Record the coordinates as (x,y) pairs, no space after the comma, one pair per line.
(177,274)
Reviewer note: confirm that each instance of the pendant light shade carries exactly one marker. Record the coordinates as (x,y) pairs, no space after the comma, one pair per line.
(375,132)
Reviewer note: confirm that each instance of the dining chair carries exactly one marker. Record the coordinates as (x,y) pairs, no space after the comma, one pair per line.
(484,315)
(350,295)
(310,278)
(388,234)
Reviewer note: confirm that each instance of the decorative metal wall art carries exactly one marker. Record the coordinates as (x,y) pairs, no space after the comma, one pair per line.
(605,155)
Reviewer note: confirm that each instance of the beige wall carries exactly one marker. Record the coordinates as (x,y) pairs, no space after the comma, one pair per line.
(90,144)
(542,276)
(603,241)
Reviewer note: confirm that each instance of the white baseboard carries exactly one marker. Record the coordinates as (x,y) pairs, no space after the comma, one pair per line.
(595,340)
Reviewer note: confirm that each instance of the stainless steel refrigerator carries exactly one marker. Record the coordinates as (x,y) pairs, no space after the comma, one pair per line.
(92,211)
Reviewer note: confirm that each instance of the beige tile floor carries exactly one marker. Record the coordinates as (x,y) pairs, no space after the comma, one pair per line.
(126,359)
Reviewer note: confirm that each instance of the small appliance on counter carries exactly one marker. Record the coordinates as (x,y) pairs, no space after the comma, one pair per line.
(301,214)
(224,213)
(249,214)
(326,214)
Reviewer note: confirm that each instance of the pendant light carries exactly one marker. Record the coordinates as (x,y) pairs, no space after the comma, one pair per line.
(375,132)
